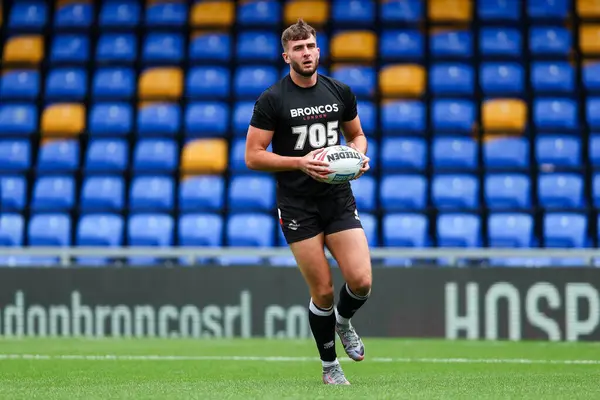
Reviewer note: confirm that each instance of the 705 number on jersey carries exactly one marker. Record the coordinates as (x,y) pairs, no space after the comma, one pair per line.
(318,135)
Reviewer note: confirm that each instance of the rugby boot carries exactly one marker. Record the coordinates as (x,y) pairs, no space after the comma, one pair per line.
(353,345)
(334,375)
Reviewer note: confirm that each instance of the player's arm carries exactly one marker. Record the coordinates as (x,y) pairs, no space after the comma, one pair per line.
(259,158)
(354,135)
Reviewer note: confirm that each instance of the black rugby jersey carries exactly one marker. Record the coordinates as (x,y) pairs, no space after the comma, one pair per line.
(304,119)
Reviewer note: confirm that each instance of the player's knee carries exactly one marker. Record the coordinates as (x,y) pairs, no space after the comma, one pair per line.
(323,296)
(361,286)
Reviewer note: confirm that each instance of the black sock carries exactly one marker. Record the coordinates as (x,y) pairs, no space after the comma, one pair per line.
(322,324)
(349,303)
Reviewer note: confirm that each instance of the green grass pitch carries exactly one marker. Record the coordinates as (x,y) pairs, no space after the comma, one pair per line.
(284,369)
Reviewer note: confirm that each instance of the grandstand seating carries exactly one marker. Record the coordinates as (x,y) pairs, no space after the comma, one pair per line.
(122,122)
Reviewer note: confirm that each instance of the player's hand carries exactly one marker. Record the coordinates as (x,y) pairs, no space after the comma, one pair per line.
(366,160)
(313,167)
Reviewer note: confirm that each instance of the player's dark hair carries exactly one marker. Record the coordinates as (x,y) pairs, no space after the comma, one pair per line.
(298,31)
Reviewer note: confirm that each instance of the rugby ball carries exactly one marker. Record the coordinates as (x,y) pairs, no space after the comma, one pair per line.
(344,161)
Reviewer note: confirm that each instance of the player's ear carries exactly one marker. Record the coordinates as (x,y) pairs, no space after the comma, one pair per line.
(285,58)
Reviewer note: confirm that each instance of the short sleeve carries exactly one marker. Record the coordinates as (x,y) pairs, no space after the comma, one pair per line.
(350,109)
(264,115)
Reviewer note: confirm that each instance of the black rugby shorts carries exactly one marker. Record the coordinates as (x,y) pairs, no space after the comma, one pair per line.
(305,217)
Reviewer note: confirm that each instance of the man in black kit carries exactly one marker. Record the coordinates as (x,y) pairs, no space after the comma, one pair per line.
(301,115)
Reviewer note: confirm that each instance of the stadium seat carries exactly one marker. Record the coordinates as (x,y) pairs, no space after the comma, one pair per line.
(251,193)
(204,156)
(162,47)
(151,193)
(15,154)
(549,41)
(458,230)
(589,34)
(66,119)
(13,193)
(400,80)
(49,229)
(498,10)
(166,13)
(159,118)
(58,156)
(29,14)
(403,153)
(202,193)
(507,191)
(502,78)
(12,229)
(74,15)
(18,119)
(116,47)
(558,150)
(111,119)
(565,230)
(250,230)
(23,49)
(592,110)
(405,230)
(119,13)
(454,153)
(596,191)
(361,79)
(103,193)
(113,83)
(594,149)
(402,116)
(145,229)
(161,83)
(450,11)
(365,193)
(400,192)
(251,81)
(451,78)
(314,12)
(506,152)
(368,116)
(70,48)
(400,44)
(210,47)
(53,193)
(560,190)
(200,229)
(242,114)
(552,77)
(107,155)
(353,45)
(214,14)
(66,84)
(506,42)
(208,82)
(105,230)
(453,116)
(206,119)
(259,13)
(512,230)
(550,9)
(504,115)
(451,44)
(20,84)
(254,46)
(455,191)
(354,12)
(401,11)
(591,76)
(555,113)
(370,226)
(155,155)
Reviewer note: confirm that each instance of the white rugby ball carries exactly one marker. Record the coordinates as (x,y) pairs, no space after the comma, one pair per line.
(344,161)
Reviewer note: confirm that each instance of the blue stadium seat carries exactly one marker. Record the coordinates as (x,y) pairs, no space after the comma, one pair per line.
(403,116)
(68,84)
(166,13)
(551,40)
(400,44)
(455,191)
(368,116)
(12,228)
(111,119)
(155,155)
(507,152)
(365,193)
(500,42)
(401,192)
(58,156)
(259,13)
(104,230)
(594,149)
(551,9)
(257,46)
(242,114)
(458,230)
(371,228)
(401,11)
(362,79)
(498,10)
(251,193)
(451,78)
(355,12)
(565,230)
(403,153)
(560,190)
(207,119)
(208,82)
(53,193)
(151,193)
(592,111)
(502,78)
(250,81)
(150,229)
(202,193)
(405,230)
(162,47)
(558,150)
(70,48)
(116,47)
(106,193)
(596,191)
(49,230)
(107,155)
(74,15)
(323,45)
(210,46)
(557,113)
(454,152)
(21,119)
(113,83)
(20,84)
(159,119)
(591,76)
(13,193)
(552,76)
(512,230)
(29,14)
(200,229)
(373,153)
(15,155)
(453,115)
(119,13)
(507,191)
(455,43)
(250,229)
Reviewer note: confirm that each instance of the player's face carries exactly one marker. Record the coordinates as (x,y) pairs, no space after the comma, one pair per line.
(303,56)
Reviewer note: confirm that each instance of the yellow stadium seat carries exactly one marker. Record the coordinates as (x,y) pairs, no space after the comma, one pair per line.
(213,13)
(161,83)
(313,12)
(66,119)
(358,45)
(450,10)
(24,49)
(204,156)
(589,38)
(402,80)
(588,8)
(504,115)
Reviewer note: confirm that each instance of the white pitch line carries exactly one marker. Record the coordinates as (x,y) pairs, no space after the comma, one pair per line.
(112,357)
